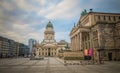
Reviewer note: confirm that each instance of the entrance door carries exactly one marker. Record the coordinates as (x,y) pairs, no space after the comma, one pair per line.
(110,56)
(48,51)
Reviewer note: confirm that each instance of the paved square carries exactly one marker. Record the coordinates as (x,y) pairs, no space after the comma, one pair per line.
(53,65)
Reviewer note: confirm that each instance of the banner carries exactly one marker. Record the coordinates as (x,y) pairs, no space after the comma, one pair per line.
(86,52)
(90,52)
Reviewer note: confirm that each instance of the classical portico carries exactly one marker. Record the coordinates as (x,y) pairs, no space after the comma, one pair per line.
(77,38)
(99,31)
(49,49)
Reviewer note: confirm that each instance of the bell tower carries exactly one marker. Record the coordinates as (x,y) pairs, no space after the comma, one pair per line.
(49,32)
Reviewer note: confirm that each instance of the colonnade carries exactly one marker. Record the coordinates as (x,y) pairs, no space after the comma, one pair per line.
(76,42)
(48,52)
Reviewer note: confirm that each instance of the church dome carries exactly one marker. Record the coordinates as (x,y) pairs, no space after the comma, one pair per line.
(49,25)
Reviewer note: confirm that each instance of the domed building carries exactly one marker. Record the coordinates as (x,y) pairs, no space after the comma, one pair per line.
(49,46)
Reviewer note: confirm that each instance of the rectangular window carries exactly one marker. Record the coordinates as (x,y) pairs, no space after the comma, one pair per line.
(114,18)
(119,17)
(109,18)
(99,18)
(104,18)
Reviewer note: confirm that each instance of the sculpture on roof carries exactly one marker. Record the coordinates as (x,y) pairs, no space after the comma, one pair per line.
(84,12)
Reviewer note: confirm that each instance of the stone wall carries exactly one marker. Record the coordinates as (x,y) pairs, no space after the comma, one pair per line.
(73,54)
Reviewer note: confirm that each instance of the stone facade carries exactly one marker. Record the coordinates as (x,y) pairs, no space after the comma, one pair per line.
(49,46)
(100,31)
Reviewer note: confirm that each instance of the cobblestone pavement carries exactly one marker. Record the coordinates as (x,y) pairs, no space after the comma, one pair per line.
(53,65)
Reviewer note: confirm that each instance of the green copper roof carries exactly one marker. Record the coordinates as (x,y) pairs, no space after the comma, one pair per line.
(49,25)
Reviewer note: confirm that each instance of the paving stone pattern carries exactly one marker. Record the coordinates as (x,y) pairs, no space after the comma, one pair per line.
(53,65)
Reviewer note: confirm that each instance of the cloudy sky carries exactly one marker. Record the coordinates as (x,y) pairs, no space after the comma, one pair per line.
(21,20)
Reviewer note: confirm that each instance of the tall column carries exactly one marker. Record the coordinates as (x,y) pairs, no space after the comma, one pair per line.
(75,42)
(90,43)
(72,42)
(78,41)
(87,41)
(81,40)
